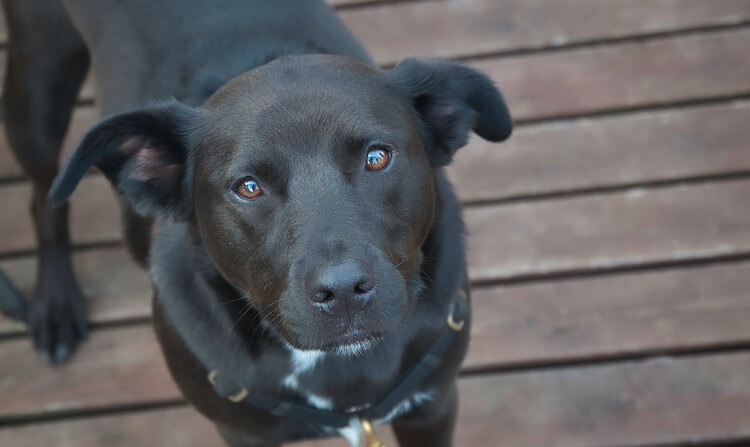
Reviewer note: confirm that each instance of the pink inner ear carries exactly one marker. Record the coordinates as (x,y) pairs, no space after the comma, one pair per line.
(447,110)
(149,164)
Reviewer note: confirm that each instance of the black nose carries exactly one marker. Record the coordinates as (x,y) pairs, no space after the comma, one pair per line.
(349,280)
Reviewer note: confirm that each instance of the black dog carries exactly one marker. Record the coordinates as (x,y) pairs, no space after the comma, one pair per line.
(305,247)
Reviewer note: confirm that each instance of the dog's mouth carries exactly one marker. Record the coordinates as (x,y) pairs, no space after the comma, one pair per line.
(354,342)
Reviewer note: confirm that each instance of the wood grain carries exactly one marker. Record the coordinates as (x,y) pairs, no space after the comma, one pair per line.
(602,78)
(113,367)
(610,316)
(464,28)
(115,287)
(605,152)
(606,231)
(660,401)
(94,214)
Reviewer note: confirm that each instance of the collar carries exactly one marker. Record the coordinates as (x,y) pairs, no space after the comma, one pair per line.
(404,386)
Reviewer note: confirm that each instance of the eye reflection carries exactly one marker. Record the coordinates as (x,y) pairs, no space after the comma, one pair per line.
(377,159)
(248,188)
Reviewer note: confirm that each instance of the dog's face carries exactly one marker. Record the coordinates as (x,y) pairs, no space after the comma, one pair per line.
(315,200)
(309,180)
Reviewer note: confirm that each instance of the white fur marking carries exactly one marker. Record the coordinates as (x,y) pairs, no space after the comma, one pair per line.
(351,433)
(302,362)
(305,359)
(355,349)
(319,402)
(406,405)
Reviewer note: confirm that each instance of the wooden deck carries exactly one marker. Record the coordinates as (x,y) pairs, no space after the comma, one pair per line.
(609,239)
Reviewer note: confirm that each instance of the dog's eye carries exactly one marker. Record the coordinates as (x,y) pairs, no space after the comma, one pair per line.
(377,159)
(247,188)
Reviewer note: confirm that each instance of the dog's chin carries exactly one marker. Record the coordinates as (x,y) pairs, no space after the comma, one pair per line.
(353,343)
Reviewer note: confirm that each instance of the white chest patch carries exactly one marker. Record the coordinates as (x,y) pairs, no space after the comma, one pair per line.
(304,361)
(352,433)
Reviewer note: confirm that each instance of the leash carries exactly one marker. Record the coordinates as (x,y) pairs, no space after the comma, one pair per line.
(407,383)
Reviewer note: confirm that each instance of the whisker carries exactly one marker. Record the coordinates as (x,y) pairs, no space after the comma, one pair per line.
(247,309)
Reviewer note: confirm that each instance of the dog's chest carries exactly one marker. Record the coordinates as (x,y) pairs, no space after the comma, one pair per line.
(304,362)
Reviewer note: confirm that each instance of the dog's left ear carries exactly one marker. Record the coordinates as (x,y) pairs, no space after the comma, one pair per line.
(144,153)
(451,100)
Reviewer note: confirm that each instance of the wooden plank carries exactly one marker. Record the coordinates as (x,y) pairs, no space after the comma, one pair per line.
(605,152)
(608,231)
(180,427)
(114,367)
(604,317)
(588,80)
(461,28)
(116,288)
(653,402)
(186,427)
(661,401)
(94,215)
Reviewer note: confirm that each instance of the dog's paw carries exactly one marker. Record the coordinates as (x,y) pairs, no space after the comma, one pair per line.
(57,319)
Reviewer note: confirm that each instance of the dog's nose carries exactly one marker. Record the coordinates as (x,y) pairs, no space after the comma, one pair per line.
(350,280)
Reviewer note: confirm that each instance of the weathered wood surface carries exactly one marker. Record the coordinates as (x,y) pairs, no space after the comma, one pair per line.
(587,154)
(116,288)
(600,78)
(465,28)
(520,325)
(657,402)
(608,231)
(609,316)
(115,367)
(95,215)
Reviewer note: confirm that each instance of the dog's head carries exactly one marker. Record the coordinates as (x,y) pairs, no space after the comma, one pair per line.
(309,180)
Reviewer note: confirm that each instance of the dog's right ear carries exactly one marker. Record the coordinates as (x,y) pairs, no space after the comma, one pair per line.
(144,153)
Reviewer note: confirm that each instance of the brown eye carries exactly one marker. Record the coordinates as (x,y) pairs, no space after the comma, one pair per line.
(377,159)
(248,188)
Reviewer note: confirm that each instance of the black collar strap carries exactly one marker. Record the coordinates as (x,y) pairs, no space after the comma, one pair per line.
(409,382)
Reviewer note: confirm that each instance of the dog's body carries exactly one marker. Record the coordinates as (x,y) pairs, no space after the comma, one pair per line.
(299,231)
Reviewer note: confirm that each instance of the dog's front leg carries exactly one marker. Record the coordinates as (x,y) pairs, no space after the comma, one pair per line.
(432,426)
(47,62)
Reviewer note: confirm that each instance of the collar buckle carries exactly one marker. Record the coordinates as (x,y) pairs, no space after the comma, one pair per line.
(370,439)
